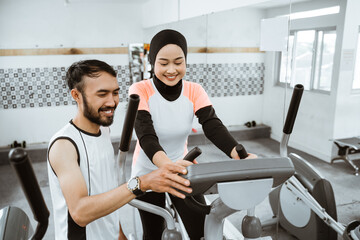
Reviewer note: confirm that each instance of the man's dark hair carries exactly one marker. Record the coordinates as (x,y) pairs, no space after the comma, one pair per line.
(90,68)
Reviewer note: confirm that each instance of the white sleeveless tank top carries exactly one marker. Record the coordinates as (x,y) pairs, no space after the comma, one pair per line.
(98,166)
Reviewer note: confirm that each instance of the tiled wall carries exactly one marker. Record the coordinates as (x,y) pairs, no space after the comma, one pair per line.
(232,79)
(46,87)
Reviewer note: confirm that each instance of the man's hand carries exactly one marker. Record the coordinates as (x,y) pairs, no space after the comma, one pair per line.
(166,179)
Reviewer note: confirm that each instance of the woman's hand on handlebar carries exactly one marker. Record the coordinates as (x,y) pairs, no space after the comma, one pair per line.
(184,163)
(166,179)
(251,156)
(234,155)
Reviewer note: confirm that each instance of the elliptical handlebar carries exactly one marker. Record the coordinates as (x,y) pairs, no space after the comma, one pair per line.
(190,200)
(127,131)
(290,118)
(20,161)
(192,154)
(129,122)
(241,151)
(293,108)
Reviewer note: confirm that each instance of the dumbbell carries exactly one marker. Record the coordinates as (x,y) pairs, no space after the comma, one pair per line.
(15,144)
(250,124)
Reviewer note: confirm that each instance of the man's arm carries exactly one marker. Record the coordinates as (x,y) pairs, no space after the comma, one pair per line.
(85,209)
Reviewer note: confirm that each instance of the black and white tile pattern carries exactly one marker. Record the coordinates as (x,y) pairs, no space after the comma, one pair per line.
(224,80)
(46,87)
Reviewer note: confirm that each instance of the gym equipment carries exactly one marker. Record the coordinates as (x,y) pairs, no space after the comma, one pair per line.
(304,205)
(250,124)
(126,134)
(14,223)
(241,185)
(347,146)
(253,179)
(15,144)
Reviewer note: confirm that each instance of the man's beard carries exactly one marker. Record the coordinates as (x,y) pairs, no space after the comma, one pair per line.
(95,117)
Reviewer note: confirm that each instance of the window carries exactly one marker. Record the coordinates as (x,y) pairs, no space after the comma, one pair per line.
(356,80)
(309,60)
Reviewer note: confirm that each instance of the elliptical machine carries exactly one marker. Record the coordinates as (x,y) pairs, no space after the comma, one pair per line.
(305,205)
(306,201)
(14,223)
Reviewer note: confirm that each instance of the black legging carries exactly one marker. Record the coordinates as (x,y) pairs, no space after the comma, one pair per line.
(154,225)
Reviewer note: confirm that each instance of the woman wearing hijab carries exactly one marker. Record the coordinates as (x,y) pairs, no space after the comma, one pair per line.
(167,107)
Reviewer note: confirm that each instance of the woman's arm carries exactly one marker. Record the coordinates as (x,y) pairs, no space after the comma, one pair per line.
(217,133)
(215,130)
(146,134)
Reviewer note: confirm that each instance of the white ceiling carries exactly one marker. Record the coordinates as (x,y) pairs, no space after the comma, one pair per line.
(278,3)
(267,4)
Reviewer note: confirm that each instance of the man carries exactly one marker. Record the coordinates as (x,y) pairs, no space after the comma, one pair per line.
(81,163)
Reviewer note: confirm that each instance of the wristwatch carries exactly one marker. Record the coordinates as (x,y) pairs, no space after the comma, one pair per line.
(134,186)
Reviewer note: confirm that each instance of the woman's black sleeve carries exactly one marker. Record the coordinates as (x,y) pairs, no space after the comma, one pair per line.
(146,134)
(215,130)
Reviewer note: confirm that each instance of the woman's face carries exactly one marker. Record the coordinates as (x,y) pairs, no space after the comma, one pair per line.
(170,65)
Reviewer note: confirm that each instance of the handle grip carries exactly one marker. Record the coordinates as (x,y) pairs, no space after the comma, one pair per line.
(293,108)
(190,201)
(192,154)
(241,151)
(129,122)
(196,206)
(19,160)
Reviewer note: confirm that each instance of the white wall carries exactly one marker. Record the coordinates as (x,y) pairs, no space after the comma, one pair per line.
(160,12)
(51,24)
(347,114)
(238,27)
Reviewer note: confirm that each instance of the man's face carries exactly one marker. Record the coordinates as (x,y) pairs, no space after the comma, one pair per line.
(100,98)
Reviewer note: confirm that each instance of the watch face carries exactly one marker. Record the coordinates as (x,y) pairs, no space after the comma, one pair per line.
(133,183)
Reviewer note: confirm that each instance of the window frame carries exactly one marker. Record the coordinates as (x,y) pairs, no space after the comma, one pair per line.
(278,57)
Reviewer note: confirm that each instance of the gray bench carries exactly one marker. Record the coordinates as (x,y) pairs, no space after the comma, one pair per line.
(347,146)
